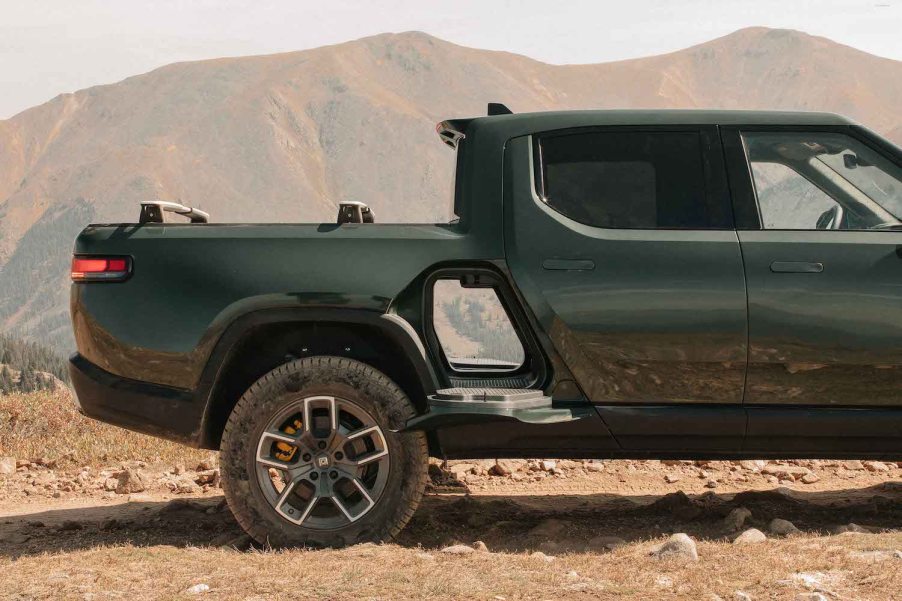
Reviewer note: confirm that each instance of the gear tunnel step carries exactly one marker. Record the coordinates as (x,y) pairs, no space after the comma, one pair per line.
(451,406)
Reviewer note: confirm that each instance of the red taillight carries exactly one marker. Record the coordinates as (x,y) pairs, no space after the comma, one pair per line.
(107,269)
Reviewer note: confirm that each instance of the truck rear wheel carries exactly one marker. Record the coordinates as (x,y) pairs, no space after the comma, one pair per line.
(309,456)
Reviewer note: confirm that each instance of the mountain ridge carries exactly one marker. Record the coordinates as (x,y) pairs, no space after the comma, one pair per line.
(284,137)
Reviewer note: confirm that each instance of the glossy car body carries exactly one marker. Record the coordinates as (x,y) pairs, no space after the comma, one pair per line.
(723,342)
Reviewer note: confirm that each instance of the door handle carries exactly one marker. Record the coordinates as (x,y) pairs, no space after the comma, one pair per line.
(568,264)
(796,267)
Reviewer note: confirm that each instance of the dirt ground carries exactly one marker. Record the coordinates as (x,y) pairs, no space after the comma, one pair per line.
(83,525)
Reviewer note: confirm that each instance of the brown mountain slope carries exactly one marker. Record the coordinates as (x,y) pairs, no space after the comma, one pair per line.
(284,137)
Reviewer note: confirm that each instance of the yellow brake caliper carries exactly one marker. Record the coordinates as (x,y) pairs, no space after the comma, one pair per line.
(285,451)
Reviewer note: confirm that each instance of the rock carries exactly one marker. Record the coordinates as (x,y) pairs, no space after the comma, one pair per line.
(850,528)
(786,472)
(541,556)
(711,484)
(206,464)
(459,469)
(14,538)
(70,526)
(208,477)
(736,518)
(810,478)
(608,543)
(595,467)
(810,597)
(678,546)
(179,469)
(198,589)
(547,465)
(7,466)
(750,537)
(741,596)
(782,527)
(129,481)
(501,468)
(549,528)
(853,465)
(753,466)
(677,504)
(110,484)
(876,466)
(671,478)
(458,550)
(480,547)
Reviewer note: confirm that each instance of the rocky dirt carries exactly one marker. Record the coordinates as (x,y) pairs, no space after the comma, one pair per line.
(535,529)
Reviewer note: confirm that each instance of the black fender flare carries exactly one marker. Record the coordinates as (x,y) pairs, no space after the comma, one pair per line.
(388,324)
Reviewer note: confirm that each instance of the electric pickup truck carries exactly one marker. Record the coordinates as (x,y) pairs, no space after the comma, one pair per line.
(613,284)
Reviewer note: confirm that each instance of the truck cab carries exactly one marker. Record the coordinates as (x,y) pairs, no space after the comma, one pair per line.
(615,284)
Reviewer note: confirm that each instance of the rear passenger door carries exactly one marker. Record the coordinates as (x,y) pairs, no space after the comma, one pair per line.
(621,240)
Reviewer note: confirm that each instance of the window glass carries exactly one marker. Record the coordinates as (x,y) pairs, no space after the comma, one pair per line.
(812,180)
(474,329)
(627,179)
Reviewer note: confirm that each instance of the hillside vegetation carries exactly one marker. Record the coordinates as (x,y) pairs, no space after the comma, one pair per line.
(286,137)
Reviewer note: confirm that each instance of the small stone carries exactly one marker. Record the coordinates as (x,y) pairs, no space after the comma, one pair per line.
(736,518)
(782,527)
(850,528)
(480,547)
(876,466)
(741,596)
(750,537)
(671,478)
(753,466)
(198,589)
(129,481)
(541,556)
(458,550)
(206,464)
(208,477)
(547,465)
(178,470)
(14,538)
(810,478)
(110,484)
(70,526)
(678,546)
(501,468)
(810,597)
(7,466)
(853,465)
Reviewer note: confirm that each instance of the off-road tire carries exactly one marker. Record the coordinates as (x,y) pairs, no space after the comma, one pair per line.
(340,377)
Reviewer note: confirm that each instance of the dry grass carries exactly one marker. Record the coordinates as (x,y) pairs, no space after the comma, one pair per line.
(46,424)
(393,572)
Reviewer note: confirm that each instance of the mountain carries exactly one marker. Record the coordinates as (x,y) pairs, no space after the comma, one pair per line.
(285,137)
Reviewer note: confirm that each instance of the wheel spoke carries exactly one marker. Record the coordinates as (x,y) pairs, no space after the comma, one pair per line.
(369,458)
(289,514)
(267,439)
(308,411)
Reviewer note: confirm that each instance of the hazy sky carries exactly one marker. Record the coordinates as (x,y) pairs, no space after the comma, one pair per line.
(53,46)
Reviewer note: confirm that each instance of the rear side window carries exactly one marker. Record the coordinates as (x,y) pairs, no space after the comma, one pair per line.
(627,179)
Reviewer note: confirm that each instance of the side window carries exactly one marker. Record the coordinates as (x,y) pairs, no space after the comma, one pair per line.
(822,181)
(627,179)
(473,328)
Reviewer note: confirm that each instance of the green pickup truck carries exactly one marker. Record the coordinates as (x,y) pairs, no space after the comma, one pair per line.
(614,284)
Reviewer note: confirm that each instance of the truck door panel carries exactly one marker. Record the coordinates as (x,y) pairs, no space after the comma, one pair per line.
(641,315)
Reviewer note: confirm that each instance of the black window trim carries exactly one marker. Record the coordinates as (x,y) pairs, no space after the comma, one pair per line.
(717,191)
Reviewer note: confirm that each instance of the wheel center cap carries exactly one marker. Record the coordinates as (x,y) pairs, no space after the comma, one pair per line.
(323,461)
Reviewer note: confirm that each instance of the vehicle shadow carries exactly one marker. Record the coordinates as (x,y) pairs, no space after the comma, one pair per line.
(557,523)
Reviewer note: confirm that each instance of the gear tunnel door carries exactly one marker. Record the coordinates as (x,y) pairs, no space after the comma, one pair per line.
(621,241)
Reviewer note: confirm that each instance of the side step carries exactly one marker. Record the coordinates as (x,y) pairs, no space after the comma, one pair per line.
(454,406)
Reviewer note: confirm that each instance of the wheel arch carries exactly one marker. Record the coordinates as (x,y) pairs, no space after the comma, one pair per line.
(257,342)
